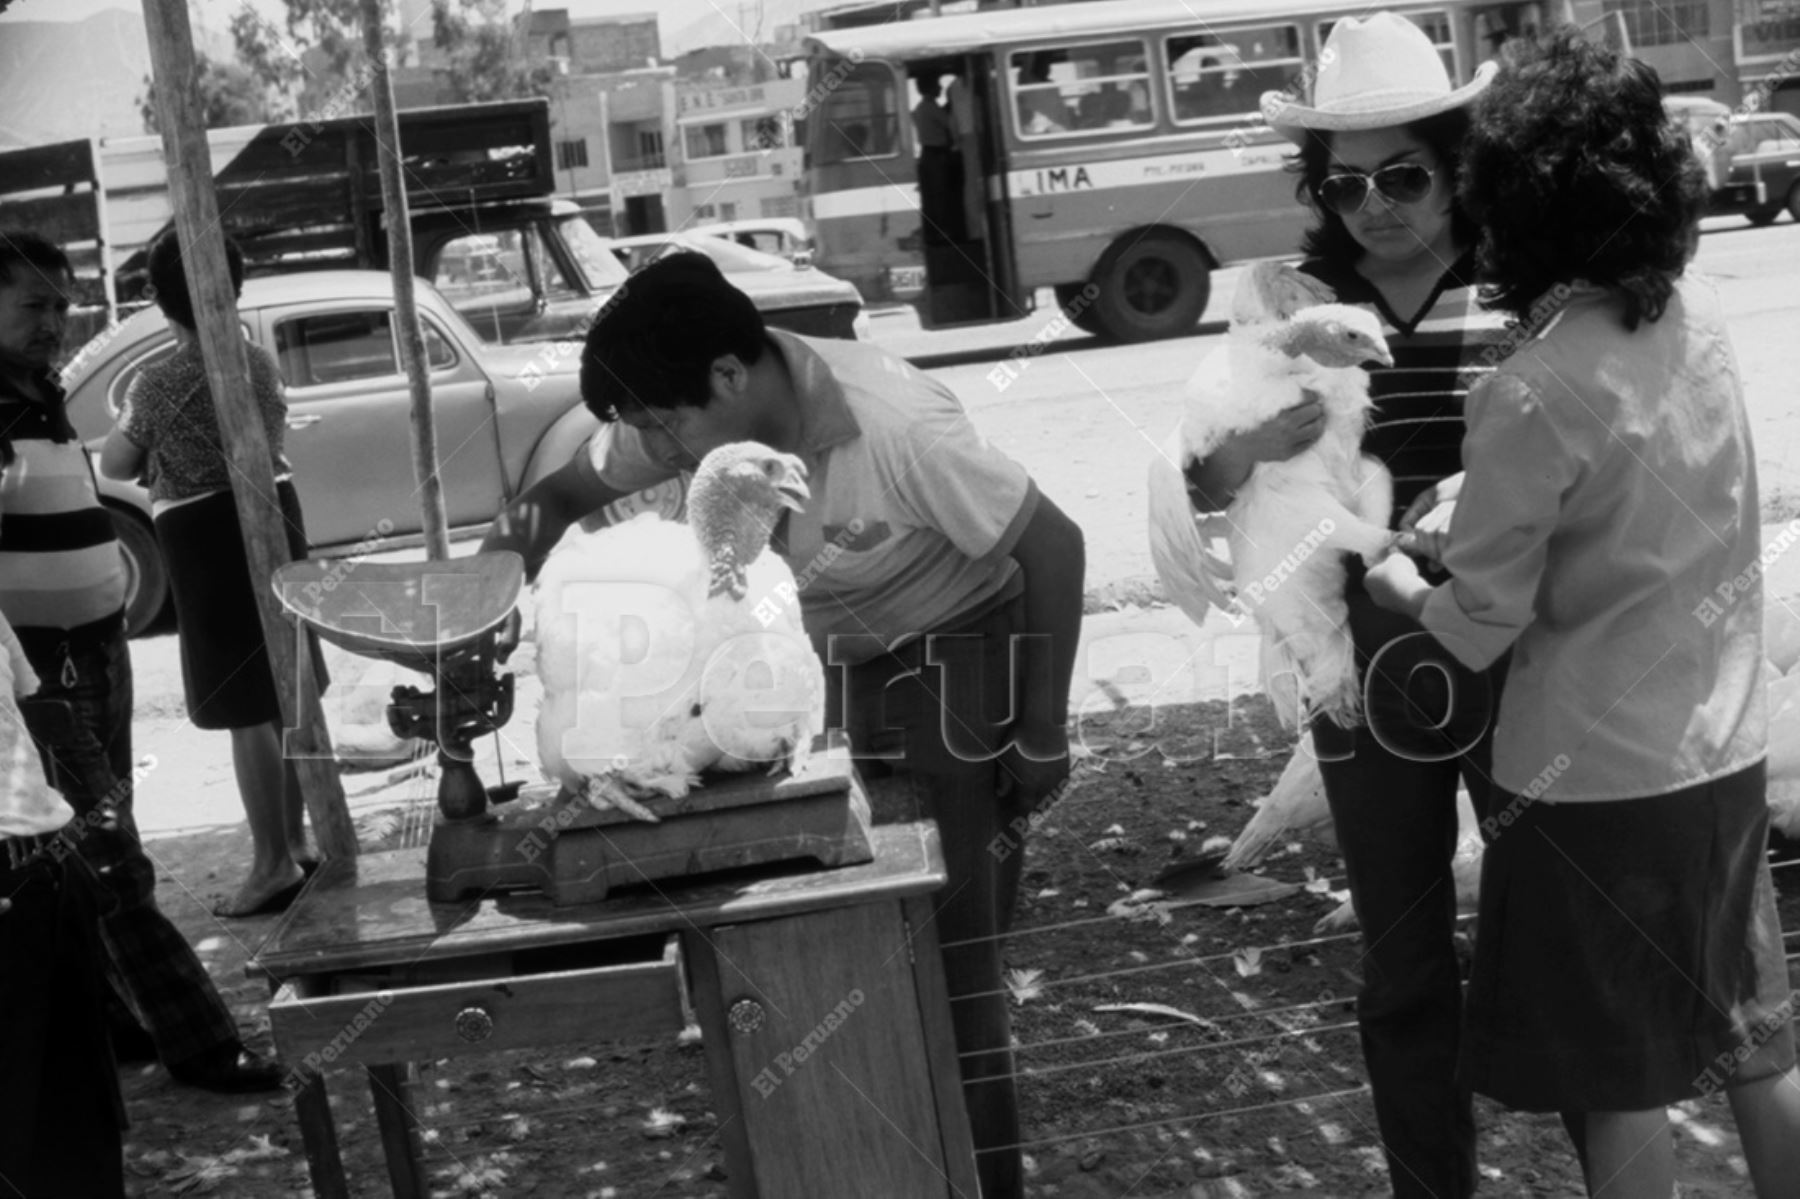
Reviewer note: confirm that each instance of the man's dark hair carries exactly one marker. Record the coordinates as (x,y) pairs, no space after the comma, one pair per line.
(1329,238)
(24,253)
(1573,171)
(654,342)
(170,281)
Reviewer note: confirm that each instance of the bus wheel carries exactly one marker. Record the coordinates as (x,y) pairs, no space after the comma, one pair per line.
(1078,305)
(1151,285)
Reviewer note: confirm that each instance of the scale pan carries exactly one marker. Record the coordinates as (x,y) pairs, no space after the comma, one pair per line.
(408,613)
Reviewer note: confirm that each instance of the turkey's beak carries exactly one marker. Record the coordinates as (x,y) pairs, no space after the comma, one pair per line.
(1382,354)
(792,486)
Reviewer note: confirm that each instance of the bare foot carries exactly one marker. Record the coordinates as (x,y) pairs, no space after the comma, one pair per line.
(260,896)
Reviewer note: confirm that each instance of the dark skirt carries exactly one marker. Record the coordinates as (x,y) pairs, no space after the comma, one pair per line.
(224,660)
(1628,953)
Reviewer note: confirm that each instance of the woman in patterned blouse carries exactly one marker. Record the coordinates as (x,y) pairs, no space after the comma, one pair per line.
(168,434)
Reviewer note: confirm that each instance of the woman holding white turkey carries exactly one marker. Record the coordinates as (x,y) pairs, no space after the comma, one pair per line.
(1377,162)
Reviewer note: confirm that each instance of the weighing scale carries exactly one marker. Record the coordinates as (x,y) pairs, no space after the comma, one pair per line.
(442,619)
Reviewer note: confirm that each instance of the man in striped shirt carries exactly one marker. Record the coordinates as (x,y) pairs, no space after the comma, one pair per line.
(62,586)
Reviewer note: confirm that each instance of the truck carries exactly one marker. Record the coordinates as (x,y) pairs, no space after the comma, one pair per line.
(517,262)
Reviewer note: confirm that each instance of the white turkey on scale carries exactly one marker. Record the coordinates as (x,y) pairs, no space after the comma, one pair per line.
(669,649)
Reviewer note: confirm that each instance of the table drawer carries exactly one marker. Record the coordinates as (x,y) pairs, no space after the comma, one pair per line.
(314,1028)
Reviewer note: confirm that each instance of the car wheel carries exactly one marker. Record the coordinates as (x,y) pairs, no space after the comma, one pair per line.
(1152,285)
(146,579)
(1078,305)
(1763,216)
(1793,201)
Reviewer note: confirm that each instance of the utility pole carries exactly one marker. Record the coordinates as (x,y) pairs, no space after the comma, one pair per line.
(240,423)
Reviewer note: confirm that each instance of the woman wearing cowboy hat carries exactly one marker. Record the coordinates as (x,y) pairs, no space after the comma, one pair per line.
(1378,157)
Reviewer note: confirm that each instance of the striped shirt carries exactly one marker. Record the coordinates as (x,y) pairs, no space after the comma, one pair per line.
(61,569)
(1417,426)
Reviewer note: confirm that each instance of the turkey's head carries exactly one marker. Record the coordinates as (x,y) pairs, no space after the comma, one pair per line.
(737,495)
(1334,335)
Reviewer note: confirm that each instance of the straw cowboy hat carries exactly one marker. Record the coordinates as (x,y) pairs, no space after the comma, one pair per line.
(1374,73)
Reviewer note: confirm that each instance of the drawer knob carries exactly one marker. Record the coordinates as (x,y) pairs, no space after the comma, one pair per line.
(746,1016)
(474,1024)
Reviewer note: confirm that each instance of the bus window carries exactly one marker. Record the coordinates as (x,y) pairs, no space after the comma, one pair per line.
(1222,76)
(860,118)
(1436,25)
(1077,89)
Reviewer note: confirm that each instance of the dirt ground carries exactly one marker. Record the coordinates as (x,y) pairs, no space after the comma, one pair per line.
(1252,1085)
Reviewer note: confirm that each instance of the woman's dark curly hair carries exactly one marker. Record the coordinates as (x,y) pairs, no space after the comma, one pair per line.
(1330,238)
(1573,171)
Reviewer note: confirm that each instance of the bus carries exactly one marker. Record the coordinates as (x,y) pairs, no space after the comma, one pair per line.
(1112,151)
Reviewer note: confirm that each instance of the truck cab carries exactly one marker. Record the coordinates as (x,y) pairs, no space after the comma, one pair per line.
(533,270)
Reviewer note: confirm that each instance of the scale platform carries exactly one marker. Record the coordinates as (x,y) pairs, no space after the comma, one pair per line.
(441,618)
(551,842)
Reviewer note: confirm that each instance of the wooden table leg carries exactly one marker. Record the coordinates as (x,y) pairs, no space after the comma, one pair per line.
(391,1085)
(312,1109)
(940,1046)
(721,1071)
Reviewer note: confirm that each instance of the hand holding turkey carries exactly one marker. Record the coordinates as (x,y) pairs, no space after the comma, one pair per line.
(1395,584)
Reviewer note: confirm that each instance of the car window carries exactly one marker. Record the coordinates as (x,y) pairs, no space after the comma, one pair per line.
(480,269)
(439,353)
(335,347)
(734,258)
(592,255)
(1770,135)
(557,285)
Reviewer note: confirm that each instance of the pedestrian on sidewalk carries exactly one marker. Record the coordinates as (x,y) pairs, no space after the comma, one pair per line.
(61,1115)
(1629,953)
(62,587)
(929,556)
(168,433)
(1378,152)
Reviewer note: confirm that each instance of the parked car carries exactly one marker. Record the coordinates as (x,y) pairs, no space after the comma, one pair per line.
(782,236)
(544,282)
(799,299)
(1765,164)
(1752,160)
(506,415)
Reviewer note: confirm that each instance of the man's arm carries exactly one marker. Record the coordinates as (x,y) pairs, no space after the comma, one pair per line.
(532,524)
(1052,555)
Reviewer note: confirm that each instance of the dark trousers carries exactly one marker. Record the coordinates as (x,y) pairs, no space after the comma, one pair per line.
(60,1111)
(939,728)
(1391,785)
(81,721)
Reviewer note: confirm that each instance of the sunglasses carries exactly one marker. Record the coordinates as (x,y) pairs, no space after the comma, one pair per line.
(1401,183)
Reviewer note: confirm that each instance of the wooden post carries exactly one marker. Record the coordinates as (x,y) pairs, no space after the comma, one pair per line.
(400,262)
(189,161)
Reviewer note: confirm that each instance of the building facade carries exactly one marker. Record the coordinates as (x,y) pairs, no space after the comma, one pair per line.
(739,153)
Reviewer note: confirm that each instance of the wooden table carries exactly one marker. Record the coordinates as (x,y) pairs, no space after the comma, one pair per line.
(819,993)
